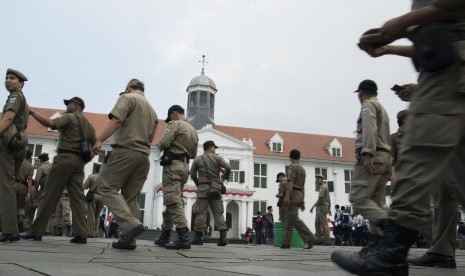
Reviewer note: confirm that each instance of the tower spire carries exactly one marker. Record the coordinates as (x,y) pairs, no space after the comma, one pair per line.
(203,64)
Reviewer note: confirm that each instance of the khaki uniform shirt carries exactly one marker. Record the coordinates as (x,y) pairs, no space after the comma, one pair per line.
(43,171)
(282,188)
(70,135)
(324,195)
(206,168)
(91,183)
(297,175)
(180,138)
(26,171)
(396,139)
(373,128)
(139,122)
(15,102)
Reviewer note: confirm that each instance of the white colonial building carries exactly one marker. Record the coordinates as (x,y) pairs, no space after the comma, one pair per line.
(256,157)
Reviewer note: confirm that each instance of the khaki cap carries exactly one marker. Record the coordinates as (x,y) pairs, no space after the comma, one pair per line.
(133,82)
(18,74)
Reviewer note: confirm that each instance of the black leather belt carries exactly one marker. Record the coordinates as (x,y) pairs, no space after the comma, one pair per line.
(68,151)
(382,150)
(182,158)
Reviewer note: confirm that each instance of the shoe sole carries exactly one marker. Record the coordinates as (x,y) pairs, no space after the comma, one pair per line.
(123,248)
(441,265)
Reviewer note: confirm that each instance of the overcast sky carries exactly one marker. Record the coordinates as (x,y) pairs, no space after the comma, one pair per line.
(285,65)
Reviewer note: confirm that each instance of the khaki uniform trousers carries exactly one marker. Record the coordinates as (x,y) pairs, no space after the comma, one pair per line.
(321,224)
(93,215)
(67,171)
(125,170)
(201,209)
(282,213)
(367,192)
(292,220)
(173,180)
(445,220)
(21,192)
(9,169)
(433,147)
(62,215)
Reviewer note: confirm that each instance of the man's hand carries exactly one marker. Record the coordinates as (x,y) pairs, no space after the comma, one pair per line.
(373,52)
(406,93)
(368,165)
(97,147)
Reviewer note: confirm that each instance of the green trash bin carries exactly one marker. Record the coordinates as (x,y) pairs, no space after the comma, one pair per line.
(278,236)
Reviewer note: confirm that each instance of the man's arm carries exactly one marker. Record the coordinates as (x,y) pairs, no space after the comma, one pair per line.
(112,126)
(6,120)
(168,136)
(43,120)
(441,11)
(316,203)
(193,173)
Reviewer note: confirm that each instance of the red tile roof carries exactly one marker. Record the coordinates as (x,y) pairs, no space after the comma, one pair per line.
(311,146)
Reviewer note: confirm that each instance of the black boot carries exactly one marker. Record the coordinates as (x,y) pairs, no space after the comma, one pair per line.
(198,239)
(58,231)
(223,240)
(388,258)
(79,240)
(69,233)
(21,223)
(164,238)
(182,242)
(373,241)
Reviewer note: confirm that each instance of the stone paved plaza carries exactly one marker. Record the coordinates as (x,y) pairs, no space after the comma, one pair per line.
(56,256)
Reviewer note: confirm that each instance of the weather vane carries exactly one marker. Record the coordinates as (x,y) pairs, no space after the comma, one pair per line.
(203,62)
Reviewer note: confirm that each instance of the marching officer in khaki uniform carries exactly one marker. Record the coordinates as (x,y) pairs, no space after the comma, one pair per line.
(294,200)
(133,122)
(373,167)
(62,216)
(396,141)
(322,209)
(179,144)
(23,186)
(434,145)
(94,203)
(282,187)
(67,170)
(42,173)
(39,182)
(12,151)
(205,172)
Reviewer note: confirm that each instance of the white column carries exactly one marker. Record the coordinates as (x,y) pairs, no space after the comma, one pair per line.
(188,210)
(158,211)
(242,217)
(249,214)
